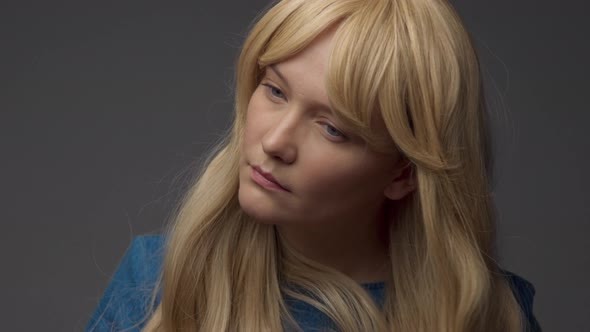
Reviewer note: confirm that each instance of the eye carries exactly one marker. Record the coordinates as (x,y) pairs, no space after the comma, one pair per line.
(333,130)
(274,91)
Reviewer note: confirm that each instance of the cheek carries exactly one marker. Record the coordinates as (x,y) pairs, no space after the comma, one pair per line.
(343,176)
(331,174)
(254,120)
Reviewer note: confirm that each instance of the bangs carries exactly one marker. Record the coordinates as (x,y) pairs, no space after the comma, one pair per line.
(300,27)
(359,61)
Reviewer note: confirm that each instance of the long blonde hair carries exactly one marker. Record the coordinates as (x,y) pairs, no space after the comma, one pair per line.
(412,63)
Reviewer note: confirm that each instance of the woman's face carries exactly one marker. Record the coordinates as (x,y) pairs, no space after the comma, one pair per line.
(291,133)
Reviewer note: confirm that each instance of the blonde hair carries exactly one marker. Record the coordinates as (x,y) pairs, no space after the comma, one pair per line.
(412,63)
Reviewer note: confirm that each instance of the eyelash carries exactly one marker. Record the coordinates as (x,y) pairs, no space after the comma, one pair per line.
(270,88)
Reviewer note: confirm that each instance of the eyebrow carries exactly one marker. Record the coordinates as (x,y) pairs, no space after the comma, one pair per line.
(279,74)
(276,70)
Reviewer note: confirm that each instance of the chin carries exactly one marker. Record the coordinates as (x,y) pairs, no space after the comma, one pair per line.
(259,217)
(256,207)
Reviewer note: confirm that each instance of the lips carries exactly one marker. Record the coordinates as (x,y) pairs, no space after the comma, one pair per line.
(269,177)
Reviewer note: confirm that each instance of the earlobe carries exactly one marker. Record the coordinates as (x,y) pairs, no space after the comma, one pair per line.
(403,184)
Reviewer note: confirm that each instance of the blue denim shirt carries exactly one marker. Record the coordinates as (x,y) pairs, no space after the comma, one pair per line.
(126,300)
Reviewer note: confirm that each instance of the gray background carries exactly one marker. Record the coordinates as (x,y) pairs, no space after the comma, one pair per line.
(106,106)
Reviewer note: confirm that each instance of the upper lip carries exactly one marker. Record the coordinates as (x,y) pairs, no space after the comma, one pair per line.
(268,176)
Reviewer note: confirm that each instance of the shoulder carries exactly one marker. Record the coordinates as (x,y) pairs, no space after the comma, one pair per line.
(143,259)
(524,292)
(128,295)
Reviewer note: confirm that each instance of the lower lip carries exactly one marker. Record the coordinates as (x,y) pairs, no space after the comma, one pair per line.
(264,182)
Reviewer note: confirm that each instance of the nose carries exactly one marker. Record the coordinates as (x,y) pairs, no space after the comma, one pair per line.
(279,141)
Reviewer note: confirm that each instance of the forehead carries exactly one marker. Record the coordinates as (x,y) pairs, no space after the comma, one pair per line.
(303,86)
(304,74)
(315,56)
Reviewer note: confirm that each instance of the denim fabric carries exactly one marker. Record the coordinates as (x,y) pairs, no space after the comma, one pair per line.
(126,300)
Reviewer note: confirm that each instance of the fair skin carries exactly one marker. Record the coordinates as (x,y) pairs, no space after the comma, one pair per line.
(335,209)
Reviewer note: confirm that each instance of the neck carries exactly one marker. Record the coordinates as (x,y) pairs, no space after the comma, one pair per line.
(356,247)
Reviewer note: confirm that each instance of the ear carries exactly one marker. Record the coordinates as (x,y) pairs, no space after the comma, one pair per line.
(403,183)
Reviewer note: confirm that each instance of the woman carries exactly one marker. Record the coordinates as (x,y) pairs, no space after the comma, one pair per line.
(352,193)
